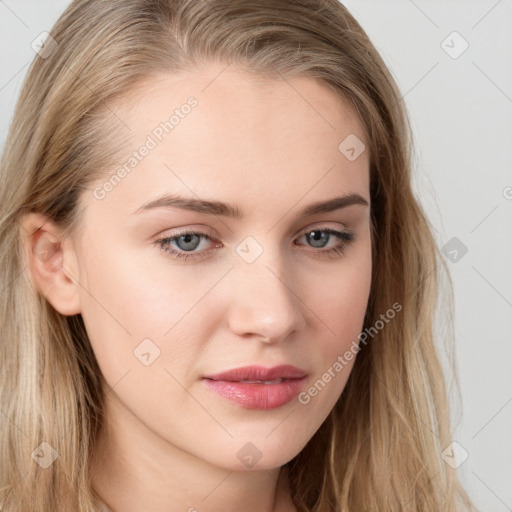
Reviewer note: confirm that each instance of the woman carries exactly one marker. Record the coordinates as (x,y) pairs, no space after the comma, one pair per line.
(223,290)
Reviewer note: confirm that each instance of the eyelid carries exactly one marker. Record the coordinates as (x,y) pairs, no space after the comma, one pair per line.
(177,232)
(320,226)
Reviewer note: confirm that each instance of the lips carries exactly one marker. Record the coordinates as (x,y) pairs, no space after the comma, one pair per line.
(261,374)
(257,387)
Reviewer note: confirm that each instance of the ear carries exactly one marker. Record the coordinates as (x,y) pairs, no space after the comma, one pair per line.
(52,263)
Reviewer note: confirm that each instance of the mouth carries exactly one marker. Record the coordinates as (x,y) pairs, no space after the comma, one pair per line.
(275,381)
(257,387)
(259,374)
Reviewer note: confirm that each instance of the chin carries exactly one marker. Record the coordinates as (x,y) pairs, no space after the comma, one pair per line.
(259,452)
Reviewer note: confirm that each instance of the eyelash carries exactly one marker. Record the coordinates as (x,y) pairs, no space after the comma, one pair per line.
(346,238)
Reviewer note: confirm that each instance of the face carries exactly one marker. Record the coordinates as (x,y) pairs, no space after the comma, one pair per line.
(224,245)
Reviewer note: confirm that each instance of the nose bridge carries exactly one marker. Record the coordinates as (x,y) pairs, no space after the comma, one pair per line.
(264,302)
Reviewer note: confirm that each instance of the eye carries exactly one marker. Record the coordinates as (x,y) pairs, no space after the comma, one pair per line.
(188,244)
(320,238)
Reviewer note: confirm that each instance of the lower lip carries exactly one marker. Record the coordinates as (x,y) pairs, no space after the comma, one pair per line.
(257,396)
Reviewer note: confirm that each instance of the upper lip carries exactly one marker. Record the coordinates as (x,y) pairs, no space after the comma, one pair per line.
(284,371)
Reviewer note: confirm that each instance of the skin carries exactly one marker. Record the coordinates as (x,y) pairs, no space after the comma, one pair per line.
(271,148)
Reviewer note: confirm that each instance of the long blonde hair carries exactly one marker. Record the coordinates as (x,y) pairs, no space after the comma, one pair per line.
(380,447)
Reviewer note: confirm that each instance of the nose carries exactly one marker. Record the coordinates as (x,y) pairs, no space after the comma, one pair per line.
(264,301)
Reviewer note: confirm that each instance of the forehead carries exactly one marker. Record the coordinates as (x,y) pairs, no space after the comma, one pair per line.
(218,131)
(231,98)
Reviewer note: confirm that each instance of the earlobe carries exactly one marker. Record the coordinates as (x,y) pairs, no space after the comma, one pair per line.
(51,262)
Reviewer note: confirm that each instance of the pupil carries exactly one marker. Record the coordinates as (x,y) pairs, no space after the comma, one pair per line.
(187,239)
(318,236)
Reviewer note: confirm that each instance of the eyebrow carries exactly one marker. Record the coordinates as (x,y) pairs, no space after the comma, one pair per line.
(234,211)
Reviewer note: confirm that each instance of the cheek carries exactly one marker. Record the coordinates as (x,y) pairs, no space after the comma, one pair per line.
(339,306)
(341,301)
(130,298)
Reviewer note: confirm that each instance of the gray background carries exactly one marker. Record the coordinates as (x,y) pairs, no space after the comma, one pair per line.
(461,111)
